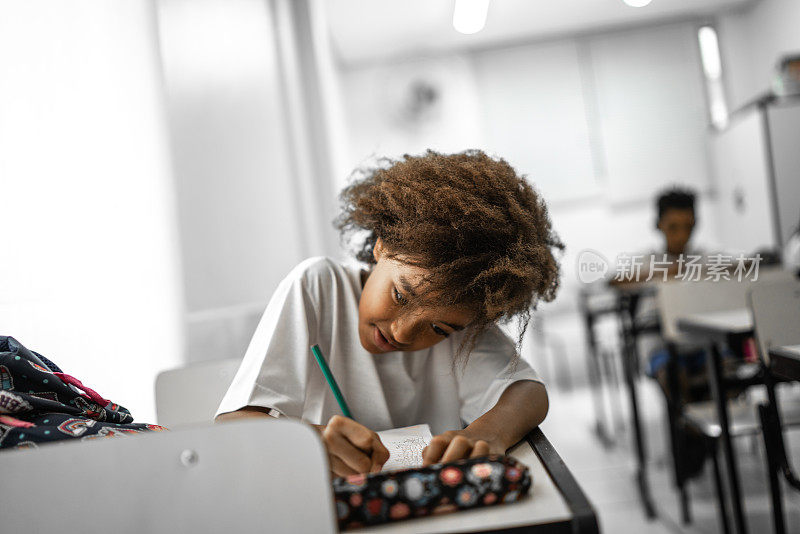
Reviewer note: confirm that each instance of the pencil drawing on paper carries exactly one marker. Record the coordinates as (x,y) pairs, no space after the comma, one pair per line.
(405,446)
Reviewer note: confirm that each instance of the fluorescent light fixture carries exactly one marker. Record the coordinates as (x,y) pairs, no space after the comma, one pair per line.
(469,16)
(637,3)
(719,114)
(712,69)
(709,52)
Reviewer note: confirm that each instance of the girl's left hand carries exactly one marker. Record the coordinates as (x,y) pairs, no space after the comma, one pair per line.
(457,444)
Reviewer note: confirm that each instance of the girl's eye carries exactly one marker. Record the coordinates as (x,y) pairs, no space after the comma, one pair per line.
(440,331)
(397,296)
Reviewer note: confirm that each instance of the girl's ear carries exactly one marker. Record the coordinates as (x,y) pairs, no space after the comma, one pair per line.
(377,250)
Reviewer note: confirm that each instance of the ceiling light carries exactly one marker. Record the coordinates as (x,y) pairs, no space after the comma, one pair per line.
(469,16)
(637,3)
(709,52)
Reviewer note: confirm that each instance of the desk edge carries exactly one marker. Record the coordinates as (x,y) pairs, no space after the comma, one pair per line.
(584,518)
(689,326)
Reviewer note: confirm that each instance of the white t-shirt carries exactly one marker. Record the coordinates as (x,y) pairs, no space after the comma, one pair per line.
(317,303)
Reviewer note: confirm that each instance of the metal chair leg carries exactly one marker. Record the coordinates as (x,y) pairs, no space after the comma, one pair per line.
(629,366)
(686,510)
(726,442)
(768,431)
(722,509)
(676,439)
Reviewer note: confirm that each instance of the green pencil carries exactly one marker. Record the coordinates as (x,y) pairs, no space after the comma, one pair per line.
(326,371)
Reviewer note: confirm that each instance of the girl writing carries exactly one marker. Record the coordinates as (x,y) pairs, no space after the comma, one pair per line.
(454,244)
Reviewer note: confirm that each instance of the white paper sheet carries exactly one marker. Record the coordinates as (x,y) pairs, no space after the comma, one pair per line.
(405,446)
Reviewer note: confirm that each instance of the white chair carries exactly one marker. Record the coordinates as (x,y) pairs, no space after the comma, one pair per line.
(776,314)
(727,300)
(190,395)
(776,317)
(676,299)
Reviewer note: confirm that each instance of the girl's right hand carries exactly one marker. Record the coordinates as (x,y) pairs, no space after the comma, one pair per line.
(352,447)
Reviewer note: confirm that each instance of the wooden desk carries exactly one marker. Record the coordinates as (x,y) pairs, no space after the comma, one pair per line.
(555,503)
(720,329)
(785,361)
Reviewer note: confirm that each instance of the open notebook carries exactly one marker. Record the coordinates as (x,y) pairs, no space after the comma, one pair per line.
(405,446)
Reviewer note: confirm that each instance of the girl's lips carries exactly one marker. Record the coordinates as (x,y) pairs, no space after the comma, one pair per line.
(381,342)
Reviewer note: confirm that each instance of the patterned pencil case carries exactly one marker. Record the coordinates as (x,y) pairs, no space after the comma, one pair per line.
(376,498)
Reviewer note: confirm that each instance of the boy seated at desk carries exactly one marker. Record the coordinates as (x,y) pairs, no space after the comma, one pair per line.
(675,221)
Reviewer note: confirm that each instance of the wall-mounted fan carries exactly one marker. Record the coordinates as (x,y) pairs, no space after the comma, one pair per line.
(414,95)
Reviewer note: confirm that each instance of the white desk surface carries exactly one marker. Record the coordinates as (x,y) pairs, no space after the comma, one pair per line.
(543,504)
(733,321)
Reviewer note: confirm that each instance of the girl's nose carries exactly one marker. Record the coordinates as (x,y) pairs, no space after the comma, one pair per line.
(402,331)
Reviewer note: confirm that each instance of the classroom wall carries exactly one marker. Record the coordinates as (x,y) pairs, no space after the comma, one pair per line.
(751,41)
(742,184)
(576,115)
(248,179)
(385,118)
(90,269)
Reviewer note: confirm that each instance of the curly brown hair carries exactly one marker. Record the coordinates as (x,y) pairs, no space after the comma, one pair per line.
(477,227)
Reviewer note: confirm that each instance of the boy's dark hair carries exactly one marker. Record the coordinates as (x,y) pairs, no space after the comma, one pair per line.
(478,227)
(675,198)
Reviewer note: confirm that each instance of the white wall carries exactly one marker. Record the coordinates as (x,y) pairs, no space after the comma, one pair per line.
(752,41)
(533,105)
(743,184)
(377,100)
(90,274)
(651,109)
(231,151)
(245,217)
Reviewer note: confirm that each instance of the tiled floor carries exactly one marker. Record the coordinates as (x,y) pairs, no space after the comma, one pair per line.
(607,474)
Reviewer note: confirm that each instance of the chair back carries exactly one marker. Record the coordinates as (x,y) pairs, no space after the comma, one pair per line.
(191,394)
(776,314)
(676,299)
(242,476)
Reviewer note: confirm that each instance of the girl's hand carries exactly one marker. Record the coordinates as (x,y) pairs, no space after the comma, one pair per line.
(457,444)
(352,447)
